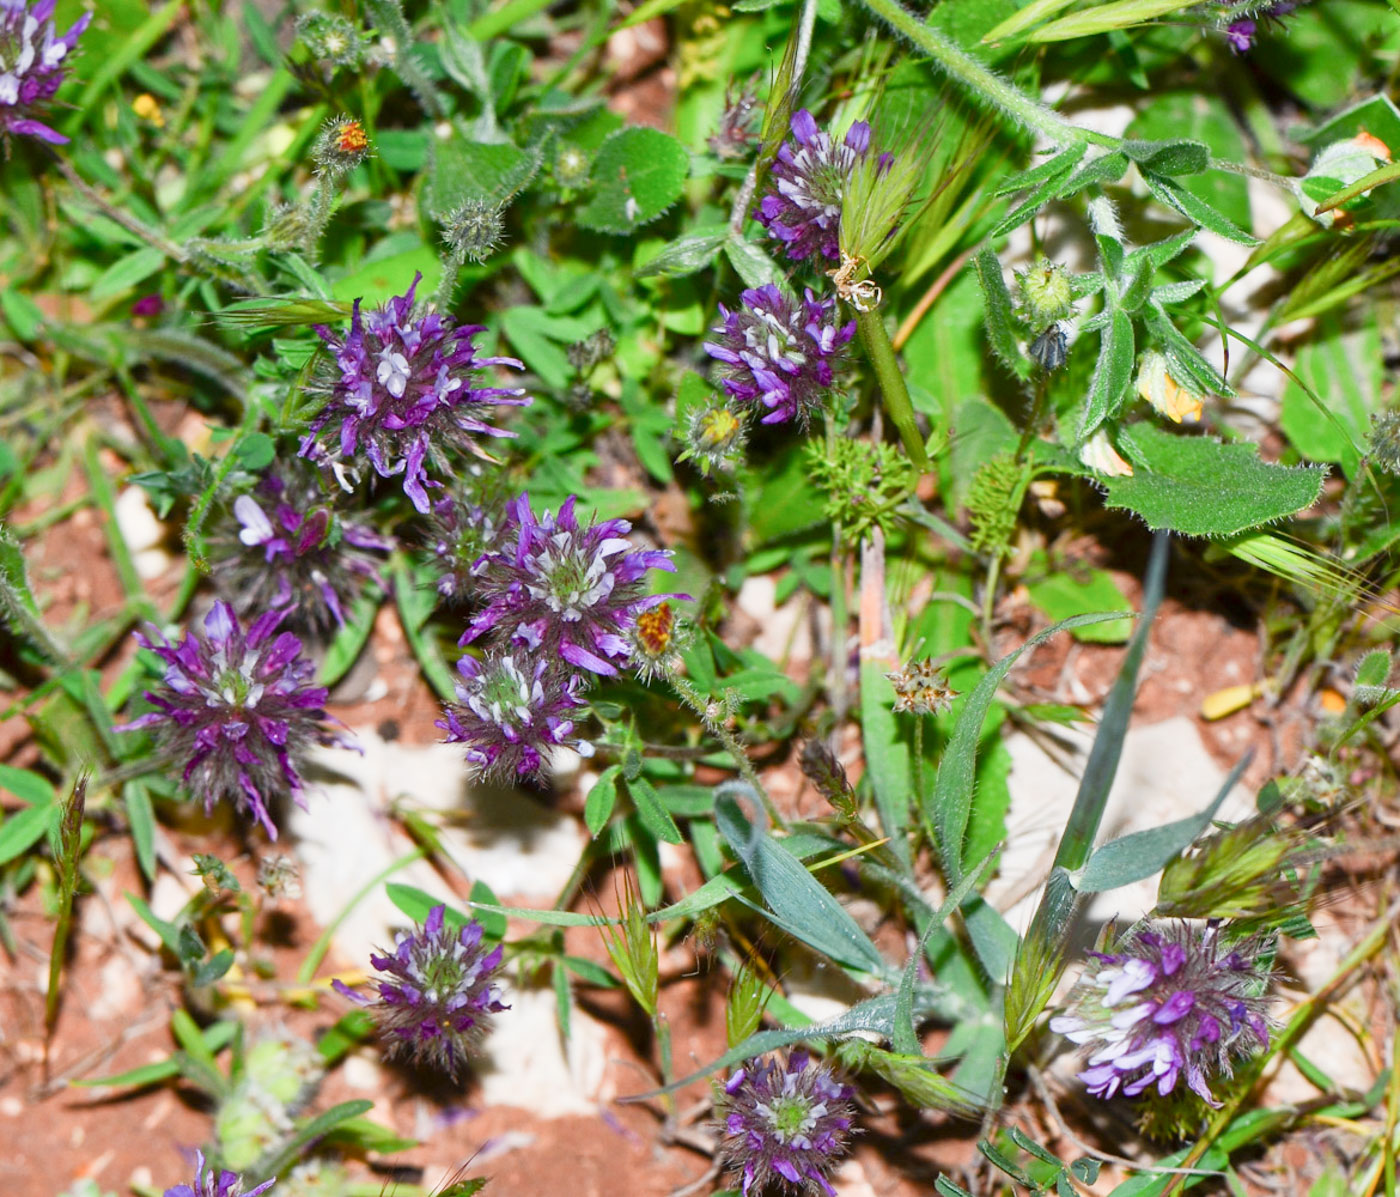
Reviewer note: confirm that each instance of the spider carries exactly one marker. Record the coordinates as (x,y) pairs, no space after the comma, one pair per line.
(863,294)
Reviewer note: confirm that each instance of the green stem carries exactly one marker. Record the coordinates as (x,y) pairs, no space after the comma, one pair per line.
(875,337)
(69,847)
(696,702)
(981,82)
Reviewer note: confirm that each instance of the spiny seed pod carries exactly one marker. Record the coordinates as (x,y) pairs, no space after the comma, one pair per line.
(1045,293)
(921,688)
(475,229)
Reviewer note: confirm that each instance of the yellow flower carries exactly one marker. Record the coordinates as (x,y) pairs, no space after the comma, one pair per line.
(146,107)
(1160,389)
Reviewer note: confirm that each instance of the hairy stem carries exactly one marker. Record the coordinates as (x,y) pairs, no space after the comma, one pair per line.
(983,84)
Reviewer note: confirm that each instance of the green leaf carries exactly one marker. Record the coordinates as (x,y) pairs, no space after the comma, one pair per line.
(1050,170)
(142,818)
(22,830)
(216,1036)
(350,638)
(1133,857)
(28,787)
(125,273)
(379,281)
(950,804)
(653,815)
(598,806)
(637,175)
(1175,157)
(752,263)
(468,170)
(1064,592)
(1196,210)
(1206,119)
(888,757)
(1112,374)
(1001,326)
(797,902)
(686,255)
(1198,486)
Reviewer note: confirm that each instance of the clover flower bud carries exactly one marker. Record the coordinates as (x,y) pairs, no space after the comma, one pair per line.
(1174,1002)
(402,392)
(435,992)
(572,167)
(475,229)
(784,1126)
(781,354)
(735,133)
(33,62)
(460,533)
(283,546)
(341,146)
(512,710)
(333,40)
(714,437)
(207,1184)
(566,590)
(1167,396)
(235,710)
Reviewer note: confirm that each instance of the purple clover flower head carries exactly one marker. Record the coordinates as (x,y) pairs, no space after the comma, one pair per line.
(513,708)
(435,992)
(566,590)
(209,1184)
(285,547)
(1241,31)
(404,394)
(1173,1002)
(32,61)
(236,710)
(781,354)
(784,1125)
(1240,35)
(810,174)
